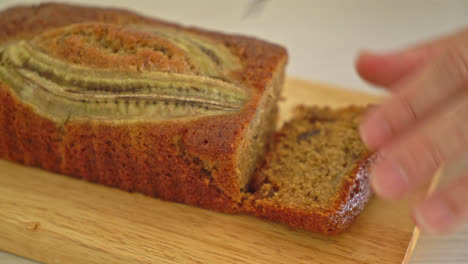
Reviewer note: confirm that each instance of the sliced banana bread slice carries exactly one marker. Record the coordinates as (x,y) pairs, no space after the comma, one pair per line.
(316,174)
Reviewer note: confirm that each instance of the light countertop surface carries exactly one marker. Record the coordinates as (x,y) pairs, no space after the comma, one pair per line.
(323,39)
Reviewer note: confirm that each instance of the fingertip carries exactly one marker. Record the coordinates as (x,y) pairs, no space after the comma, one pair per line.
(388,180)
(377,68)
(364,134)
(365,64)
(373,130)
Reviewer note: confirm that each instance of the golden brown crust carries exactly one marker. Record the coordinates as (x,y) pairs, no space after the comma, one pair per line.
(141,50)
(260,58)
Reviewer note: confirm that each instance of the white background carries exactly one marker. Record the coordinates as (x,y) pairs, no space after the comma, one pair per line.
(323,39)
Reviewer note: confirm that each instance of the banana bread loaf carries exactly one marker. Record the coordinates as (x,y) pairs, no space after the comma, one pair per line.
(143,105)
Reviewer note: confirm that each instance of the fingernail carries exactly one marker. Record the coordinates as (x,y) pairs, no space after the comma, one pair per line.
(433,216)
(364,53)
(380,54)
(388,179)
(374,130)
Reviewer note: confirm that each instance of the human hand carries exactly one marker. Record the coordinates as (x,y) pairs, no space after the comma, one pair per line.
(421,126)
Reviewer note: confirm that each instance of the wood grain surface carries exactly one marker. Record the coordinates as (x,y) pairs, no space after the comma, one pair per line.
(56,219)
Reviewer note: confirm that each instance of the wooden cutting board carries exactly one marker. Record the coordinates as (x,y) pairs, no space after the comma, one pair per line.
(56,219)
